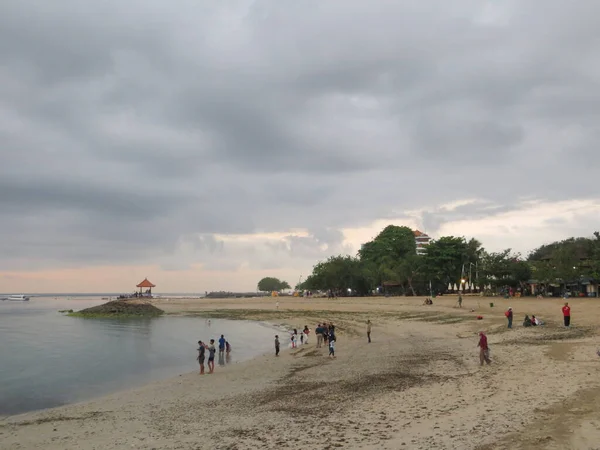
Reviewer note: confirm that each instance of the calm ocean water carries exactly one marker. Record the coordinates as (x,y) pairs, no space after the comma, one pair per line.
(48,359)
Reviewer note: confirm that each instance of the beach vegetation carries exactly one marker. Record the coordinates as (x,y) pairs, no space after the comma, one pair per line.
(270,284)
(119,309)
(391,263)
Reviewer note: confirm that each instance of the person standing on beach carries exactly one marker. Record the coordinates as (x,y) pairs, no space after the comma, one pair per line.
(227,347)
(509,316)
(276,345)
(222,342)
(484,350)
(566,310)
(331,348)
(369,330)
(319,333)
(201,351)
(211,356)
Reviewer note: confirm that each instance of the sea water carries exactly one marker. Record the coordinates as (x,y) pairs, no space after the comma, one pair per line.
(48,359)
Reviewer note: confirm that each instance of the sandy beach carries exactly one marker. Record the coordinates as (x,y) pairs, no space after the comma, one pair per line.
(418,385)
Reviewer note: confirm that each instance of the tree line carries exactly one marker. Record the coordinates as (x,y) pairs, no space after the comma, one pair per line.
(390,261)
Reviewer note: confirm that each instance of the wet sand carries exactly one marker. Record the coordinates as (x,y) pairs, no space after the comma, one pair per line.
(418,385)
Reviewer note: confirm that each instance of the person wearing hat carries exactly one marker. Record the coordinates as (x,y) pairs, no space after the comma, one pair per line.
(509,316)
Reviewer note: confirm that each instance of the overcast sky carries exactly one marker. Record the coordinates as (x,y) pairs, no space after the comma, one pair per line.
(206,144)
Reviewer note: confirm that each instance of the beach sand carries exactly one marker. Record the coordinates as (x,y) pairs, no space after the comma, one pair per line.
(418,385)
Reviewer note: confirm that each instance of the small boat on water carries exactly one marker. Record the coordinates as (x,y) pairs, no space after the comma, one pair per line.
(17,298)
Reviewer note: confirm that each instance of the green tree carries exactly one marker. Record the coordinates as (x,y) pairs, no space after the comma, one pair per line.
(445,258)
(270,284)
(595,256)
(504,269)
(340,273)
(385,256)
(393,242)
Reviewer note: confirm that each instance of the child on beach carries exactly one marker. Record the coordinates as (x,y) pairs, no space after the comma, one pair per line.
(276,345)
(211,356)
(332,348)
(222,344)
(227,347)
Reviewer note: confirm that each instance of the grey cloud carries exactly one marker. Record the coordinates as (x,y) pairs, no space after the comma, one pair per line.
(136,131)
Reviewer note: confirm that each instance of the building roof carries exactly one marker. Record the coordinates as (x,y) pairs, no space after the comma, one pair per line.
(146,284)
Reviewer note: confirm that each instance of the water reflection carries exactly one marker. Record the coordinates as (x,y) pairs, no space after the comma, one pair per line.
(47,359)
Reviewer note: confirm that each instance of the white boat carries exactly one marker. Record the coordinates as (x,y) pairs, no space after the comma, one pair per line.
(17,298)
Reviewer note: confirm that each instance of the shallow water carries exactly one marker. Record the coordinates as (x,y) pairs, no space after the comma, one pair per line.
(48,359)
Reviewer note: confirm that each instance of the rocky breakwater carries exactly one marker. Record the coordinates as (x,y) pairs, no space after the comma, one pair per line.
(119,309)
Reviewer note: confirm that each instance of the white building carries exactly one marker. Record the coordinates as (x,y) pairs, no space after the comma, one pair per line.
(422,241)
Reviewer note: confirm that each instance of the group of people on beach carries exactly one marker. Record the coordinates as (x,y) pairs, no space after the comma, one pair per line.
(224,349)
(534,321)
(484,349)
(325,333)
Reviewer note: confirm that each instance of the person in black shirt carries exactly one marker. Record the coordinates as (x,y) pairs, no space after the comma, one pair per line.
(201,350)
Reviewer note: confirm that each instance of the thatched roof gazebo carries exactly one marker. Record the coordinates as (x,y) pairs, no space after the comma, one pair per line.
(147,285)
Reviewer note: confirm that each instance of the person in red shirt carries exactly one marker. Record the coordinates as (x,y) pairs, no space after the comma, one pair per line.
(484,350)
(567,314)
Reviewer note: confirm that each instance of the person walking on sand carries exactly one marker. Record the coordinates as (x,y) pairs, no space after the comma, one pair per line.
(332,348)
(222,342)
(276,345)
(509,316)
(460,300)
(211,356)
(484,350)
(369,330)
(201,351)
(566,310)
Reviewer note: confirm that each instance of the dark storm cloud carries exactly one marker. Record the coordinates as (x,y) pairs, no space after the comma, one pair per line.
(138,130)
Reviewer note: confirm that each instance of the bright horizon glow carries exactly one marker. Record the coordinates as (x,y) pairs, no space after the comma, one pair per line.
(522,230)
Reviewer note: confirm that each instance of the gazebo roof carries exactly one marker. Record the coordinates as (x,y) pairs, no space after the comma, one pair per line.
(146,284)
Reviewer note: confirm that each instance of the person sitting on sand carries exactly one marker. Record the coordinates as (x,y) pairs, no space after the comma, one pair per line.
(211,356)
(535,321)
(527,321)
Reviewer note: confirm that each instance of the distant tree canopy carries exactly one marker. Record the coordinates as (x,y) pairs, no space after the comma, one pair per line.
(270,284)
(566,260)
(391,259)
